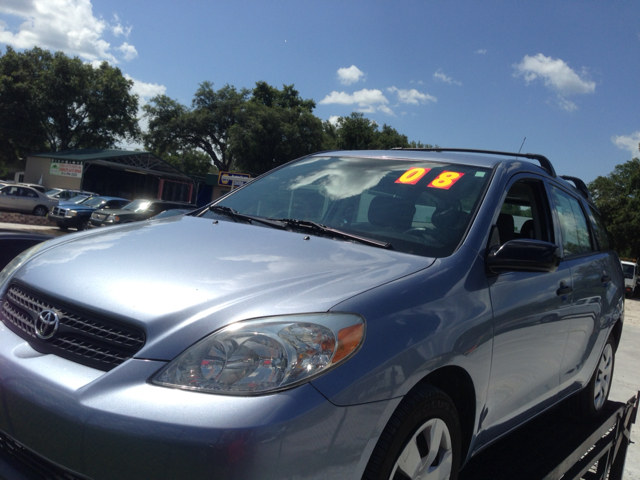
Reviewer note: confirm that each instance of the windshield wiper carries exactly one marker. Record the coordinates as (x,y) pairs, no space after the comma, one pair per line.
(319,228)
(235,215)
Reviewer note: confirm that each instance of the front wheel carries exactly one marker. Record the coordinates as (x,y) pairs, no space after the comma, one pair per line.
(422,440)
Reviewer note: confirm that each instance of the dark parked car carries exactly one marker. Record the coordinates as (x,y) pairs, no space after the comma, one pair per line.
(135,211)
(349,315)
(79,215)
(66,194)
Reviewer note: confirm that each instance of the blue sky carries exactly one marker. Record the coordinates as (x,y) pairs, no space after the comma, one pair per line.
(481,74)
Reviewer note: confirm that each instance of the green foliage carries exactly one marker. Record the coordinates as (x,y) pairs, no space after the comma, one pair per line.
(53,102)
(617,196)
(256,130)
(356,132)
(250,131)
(205,126)
(190,161)
(274,127)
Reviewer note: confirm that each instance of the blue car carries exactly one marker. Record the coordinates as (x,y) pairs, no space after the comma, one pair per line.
(78,215)
(351,314)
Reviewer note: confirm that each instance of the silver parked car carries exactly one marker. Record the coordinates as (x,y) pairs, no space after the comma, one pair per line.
(373,314)
(18,198)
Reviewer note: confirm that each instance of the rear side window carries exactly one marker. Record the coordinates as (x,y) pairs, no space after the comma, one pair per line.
(576,238)
(602,234)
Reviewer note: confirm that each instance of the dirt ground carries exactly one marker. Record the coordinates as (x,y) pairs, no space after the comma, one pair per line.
(632,310)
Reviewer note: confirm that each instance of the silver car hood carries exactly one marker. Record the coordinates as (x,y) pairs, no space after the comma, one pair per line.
(186,276)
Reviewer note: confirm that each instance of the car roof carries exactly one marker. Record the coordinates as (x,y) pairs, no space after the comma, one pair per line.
(476,158)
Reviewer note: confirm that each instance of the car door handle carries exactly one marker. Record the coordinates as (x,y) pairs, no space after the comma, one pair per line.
(606,278)
(564,290)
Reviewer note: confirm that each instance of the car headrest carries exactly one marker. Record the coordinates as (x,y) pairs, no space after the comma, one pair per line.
(390,212)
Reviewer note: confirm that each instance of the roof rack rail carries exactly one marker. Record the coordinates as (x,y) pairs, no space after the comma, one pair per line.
(580,185)
(545,163)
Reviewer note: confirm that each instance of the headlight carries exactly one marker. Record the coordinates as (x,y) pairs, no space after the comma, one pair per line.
(14,264)
(265,355)
(112,218)
(72,213)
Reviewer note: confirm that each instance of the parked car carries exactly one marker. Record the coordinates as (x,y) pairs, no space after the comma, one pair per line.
(66,194)
(140,209)
(79,215)
(76,200)
(17,198)
(371,314)
(35,186)
(631,270)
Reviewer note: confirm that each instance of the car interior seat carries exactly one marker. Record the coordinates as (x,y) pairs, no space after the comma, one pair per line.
(506,227)
(391,213)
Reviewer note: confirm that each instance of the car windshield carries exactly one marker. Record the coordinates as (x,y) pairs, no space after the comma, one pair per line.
(137,205)
(78,199)
(95,202)
(419,207)
(628,270)
(52,192)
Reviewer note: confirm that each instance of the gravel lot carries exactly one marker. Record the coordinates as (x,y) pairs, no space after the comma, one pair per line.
(626,381)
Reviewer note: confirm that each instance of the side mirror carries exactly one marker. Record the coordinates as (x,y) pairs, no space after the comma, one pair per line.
(523,255)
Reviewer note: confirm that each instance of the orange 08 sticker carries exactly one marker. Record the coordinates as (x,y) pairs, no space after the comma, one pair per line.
(445,180)
(413,175)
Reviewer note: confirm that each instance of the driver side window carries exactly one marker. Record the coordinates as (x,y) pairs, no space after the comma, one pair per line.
(524,214)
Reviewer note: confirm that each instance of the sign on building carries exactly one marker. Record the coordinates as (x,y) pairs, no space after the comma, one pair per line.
(233,180)
(66,168)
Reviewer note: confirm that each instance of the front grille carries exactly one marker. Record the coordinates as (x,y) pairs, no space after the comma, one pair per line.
(98,216)
(59,211)
(81,336)
(30,463)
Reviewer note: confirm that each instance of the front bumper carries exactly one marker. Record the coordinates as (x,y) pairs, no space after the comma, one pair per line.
(116,425)
(72,222)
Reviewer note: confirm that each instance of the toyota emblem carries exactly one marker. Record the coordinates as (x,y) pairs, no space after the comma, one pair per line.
(46,324)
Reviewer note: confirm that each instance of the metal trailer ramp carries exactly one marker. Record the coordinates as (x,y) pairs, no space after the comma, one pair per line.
(554,447)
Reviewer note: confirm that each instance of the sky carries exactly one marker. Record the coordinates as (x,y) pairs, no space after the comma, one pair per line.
(561,76)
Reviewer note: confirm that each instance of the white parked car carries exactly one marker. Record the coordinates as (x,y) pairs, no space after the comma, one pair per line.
(18,198)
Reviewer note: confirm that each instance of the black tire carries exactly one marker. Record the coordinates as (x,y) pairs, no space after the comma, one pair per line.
(588,403)
(84,225)
(425,410)
(40,211)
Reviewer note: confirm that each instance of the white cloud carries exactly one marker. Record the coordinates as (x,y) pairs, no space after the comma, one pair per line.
(439,75)
(412,96)
(66,25)
(146,91)
(348,76)
(118,29)
(129,51)
(567,105)
(482,51)
(555,73)
(628,142)
(333,120)
(365,98)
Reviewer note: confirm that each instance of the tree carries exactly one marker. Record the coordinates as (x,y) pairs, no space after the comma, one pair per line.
(248,130)
(205,126)
(53,102)
(617,196)
(274,127)
(356,132)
